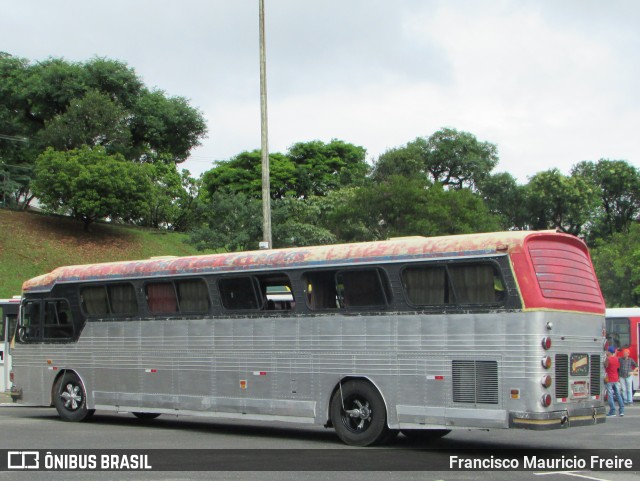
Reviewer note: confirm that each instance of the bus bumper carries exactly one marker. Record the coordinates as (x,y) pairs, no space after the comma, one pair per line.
(558,419)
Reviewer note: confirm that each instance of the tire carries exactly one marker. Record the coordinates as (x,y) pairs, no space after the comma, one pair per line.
(146,416)
(425,434)
(363,421)
(70,398)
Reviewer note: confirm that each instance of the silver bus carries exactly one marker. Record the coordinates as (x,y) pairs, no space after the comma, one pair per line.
(414,335)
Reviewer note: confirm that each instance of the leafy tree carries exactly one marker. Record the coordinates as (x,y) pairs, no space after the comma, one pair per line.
(402,206)
(558,201)
(617,263)
(164,127)
(91,185)
(62,104)
(617,186)
(231,222)
(506,199)
(93,120)
(307,169)
(321,168)
(448,157)
(296,223)
(172,198)
(243,174)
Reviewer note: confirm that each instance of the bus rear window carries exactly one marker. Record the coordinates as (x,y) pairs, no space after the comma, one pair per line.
(564,271)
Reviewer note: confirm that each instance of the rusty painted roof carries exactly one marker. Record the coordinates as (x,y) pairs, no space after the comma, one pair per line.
(406,248)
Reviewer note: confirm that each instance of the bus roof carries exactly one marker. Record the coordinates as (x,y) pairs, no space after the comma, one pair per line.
(406,248)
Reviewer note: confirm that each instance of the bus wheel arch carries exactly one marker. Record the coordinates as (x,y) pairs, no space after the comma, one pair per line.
(69,397)
(358,412)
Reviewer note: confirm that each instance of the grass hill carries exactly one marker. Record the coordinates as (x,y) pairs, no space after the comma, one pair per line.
(32,244)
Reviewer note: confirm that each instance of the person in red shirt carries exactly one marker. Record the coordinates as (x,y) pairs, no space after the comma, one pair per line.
(611,366)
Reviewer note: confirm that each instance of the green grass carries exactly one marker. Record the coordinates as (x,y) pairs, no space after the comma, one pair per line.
(34,244)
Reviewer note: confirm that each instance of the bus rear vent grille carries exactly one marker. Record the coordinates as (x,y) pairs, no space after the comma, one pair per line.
(562,376)
(596,379)
(475,382)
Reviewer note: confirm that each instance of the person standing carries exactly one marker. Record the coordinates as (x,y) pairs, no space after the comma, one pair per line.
(611,366)
(627,366)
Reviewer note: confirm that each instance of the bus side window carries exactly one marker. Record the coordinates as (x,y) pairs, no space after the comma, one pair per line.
(58,323)
(238,293)
(362,288)
(322,291)
(193,296)
(475,283)
(161,298)
(29,328)
(426,285)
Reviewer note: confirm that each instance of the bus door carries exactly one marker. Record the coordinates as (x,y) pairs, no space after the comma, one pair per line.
(8,318)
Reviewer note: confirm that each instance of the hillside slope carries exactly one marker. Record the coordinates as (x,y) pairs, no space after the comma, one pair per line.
(33,244)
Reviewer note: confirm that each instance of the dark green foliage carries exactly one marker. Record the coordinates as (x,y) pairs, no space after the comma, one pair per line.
(89,184)
(448,157)
(617,263)
(307,169)
(98,103)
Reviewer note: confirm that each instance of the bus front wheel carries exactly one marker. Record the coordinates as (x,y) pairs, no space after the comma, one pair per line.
(358,414)
(70,398)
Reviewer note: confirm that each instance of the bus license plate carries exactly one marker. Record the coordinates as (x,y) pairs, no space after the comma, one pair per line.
(579,389)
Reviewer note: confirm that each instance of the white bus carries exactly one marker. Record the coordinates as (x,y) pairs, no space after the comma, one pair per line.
(418,335)
(8,319)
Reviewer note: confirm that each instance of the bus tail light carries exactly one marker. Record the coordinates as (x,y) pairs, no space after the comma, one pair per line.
(11,376)
(546,343)
(546,381)
(546,362)
(546,400)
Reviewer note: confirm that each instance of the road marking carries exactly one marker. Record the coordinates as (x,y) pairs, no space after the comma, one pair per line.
(571,473)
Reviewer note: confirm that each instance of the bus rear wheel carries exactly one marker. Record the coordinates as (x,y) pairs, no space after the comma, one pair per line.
(70,398)
(358,414)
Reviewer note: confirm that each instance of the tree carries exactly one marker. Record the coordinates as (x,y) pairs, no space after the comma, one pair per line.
(402,207)
(232,222)
(558,201)
(90,185)
(617,186)
(617,263)
(297,222)
(307,169)
(170,198)
(321,168)
(449,157)
(243,174)
(506,199)
(93,120)
(62,104)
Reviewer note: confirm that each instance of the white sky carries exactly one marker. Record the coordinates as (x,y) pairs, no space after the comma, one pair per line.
(551,82)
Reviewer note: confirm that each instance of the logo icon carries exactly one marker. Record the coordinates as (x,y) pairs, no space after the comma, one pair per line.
(23,460)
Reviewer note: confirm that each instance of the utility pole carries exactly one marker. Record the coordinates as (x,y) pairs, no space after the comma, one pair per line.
(266,186)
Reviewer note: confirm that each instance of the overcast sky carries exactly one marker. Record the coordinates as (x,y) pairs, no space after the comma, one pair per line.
(551,82)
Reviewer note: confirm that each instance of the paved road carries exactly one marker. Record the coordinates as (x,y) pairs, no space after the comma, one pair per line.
(40,428)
